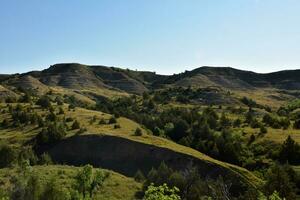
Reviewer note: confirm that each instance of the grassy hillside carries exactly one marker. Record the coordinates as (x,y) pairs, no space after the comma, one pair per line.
(125,129)
(115,187)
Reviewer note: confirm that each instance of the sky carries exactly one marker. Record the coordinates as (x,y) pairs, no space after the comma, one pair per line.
(165,36)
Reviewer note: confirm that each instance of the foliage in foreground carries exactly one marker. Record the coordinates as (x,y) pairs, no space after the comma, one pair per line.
(28,185)
(162,192)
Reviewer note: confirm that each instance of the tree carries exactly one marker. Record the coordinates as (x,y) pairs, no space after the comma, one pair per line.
(180,130)
(44,102)
(8,155)
(54,132)
(278,180)
(290,151)
(87,181)
(139,176)
(162,192)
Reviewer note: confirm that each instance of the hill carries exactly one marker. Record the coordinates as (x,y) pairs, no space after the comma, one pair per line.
(230,78)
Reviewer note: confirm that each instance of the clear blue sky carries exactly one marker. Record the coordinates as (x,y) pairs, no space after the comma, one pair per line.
(166,36)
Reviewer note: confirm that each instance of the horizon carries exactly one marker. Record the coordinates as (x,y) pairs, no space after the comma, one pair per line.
(166,37)
(124,68)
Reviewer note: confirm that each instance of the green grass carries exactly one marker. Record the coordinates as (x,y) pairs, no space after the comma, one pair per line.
(115,187)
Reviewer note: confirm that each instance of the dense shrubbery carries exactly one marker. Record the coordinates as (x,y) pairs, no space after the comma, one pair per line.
(290,152)
(53,133)
(202,129)
(8,155)
(190,184)
(193,187)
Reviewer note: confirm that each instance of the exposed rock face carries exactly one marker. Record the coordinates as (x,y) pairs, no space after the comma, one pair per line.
(127,156)
(78,76)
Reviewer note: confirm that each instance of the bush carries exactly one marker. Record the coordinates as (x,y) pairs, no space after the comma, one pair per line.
(59,100)
(5,123)
(290,152)
(297,124)
(75,125)
(102,121)
(138,132)
(69,119)
(45,159)
(53,133)
(82,130)
(139,176)
(263,129)
(278,180)
(8,155)
(61,111)
(162,192)
(116,126)
(112,120)
(44,102)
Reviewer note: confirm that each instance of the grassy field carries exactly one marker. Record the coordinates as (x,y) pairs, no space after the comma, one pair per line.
(115,187)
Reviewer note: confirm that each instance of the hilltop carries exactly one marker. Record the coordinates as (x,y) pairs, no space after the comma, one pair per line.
(73,75)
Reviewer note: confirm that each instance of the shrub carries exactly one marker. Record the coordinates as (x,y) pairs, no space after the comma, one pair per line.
(290,151)
(69,119)
(61,111)
(112,120)
(59,100)
(277,177)
(75,125)
(4,123)
(102,121)
(263,129)
(82,130)
(8,155)
(138,132)
(45,159)
(116,126)
(297,124)
(44,102)
(54,132)
(139,176)
(162,192)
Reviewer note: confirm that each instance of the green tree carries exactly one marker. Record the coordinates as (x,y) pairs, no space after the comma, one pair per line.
(139,176)
(88,182)
(8,155)
(290,151)
(162,192)
(44,102)
(278,180)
